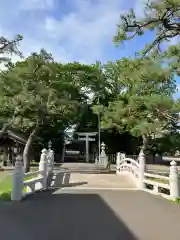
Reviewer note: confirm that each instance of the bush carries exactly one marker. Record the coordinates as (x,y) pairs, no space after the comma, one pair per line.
(177,201)
(5,195)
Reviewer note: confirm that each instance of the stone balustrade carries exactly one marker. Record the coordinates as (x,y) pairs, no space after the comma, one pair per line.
(166,186)
(24,184)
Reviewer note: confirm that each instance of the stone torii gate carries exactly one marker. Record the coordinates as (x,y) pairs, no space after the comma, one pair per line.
(87,137)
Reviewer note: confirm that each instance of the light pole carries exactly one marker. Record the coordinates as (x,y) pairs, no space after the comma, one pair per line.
(99,137)
(99,134)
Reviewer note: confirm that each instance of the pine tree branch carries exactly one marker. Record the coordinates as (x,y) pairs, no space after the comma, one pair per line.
(166,115)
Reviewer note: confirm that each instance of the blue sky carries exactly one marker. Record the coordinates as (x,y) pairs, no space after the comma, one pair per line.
(72,30)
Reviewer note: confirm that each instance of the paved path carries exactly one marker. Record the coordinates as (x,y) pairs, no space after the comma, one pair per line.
(162,169)
(76,209)
(82,214)
(94,181)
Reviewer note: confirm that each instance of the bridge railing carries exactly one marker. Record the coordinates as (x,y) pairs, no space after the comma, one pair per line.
(166,186)
(24,184)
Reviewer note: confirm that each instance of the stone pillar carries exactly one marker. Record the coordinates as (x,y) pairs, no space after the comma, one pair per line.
(123,156)
(17,180)
(51,159)
(43,164)
(141,170)
(103,149)
(118,162)
(103,156)
(49,145)
(174,180)
(50,167)
(96,160)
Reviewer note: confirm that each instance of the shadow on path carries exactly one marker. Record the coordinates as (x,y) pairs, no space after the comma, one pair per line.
(61,216)
(62,179)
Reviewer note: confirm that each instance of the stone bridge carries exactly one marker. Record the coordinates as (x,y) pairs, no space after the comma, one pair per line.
(80,214)
(84,203)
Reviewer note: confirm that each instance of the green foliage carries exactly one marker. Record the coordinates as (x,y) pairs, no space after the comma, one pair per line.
(169,143)
(5,195)
(177,201)
(144,105)
(39,89)
(39,92)
(6,187)
(161,16)
(9,47)
(171,56)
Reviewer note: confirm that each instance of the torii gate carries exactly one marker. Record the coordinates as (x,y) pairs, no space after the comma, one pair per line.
(85,136)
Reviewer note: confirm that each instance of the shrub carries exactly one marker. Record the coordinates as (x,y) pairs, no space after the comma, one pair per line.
(6,195)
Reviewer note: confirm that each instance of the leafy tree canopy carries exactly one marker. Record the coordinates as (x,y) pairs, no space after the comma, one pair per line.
(144,105)
(39,92)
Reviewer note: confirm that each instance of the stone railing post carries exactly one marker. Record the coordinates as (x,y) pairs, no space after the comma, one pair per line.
(50,167)
(17,180)
(174,180)
(43,166)
(118,161)
(50,160)
(141,170)
(123,156)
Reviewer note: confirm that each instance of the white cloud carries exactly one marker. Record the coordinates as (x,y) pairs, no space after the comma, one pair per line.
(88,29)
(36,4)
(79,30)
(139,7)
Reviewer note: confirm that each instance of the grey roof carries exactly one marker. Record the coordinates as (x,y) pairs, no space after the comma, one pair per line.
(16,137)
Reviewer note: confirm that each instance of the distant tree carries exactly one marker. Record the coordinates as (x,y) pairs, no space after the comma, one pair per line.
(144,106)
(7,48)
(40,93)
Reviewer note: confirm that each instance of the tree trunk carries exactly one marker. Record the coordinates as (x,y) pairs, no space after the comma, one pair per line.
(145,143)
(27,149)
(144,146)
(4,129)
(63,152)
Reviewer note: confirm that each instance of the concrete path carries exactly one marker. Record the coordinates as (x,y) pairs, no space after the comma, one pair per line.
(94,181)
(81,206)
(161,169)
(82,214)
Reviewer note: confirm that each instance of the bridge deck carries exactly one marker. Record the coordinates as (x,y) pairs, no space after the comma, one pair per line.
(90,214)
(83,207)
(91,180)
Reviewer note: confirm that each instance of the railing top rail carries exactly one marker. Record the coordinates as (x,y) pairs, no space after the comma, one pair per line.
(130,160)
(29,174)
(154,183)
(158,176)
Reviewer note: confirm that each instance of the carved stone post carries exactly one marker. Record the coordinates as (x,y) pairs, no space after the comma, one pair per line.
(50,167)
(43,164)
(174,180)
(118,162)
(49,145)
(103,156)
(141,170)
(17,180)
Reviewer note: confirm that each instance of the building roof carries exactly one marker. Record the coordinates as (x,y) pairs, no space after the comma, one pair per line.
(14,135)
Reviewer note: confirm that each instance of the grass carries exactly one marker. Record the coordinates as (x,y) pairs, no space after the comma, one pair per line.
(34,164)
(177,201)
(159,180)
(6,187)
